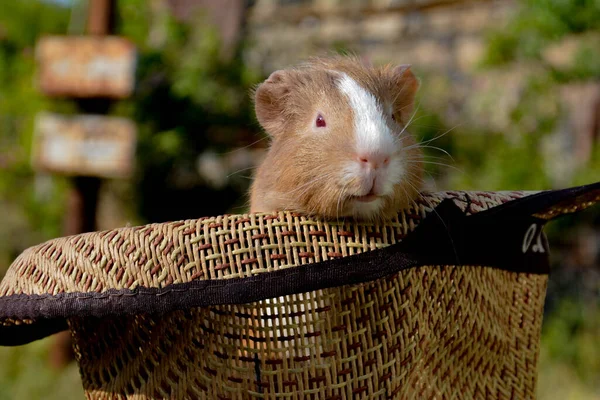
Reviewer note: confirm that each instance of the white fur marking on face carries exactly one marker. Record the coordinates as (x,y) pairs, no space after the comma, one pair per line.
(372,133)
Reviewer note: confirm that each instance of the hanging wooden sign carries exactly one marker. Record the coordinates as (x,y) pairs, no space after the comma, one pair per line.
(84,145)
(83,67)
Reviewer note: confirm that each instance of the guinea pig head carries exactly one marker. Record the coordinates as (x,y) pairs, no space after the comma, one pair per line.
(339,141)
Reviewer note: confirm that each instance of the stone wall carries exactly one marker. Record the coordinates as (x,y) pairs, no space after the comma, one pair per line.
(434,35)
(442,39)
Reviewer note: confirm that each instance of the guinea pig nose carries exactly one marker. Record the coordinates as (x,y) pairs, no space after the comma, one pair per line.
(374,161)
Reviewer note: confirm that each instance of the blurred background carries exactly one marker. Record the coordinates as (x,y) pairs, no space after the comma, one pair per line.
(510,89)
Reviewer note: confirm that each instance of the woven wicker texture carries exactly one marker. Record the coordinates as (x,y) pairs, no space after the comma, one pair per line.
(428,332)
(234,246)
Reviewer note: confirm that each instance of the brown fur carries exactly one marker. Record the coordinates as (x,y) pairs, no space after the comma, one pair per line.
(301,171)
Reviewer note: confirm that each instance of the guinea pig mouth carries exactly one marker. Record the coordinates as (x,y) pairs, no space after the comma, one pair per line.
(367,198)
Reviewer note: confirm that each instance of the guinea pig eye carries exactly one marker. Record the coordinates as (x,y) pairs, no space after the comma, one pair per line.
(320,122)
(393,116)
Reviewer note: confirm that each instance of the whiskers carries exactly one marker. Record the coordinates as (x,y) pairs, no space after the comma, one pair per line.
(342,194)
(298,196)
(424,145)
(425,160)
(421,157)
(410,120)
(244,147)
(242,170)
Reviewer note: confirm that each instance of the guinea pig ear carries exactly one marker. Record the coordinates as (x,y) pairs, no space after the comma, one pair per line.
(270,99)
(407,84)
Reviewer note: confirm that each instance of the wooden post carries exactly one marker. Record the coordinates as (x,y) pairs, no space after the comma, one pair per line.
(83,196)
(101,17)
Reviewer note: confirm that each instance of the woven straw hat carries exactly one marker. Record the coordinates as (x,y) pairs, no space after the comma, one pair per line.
(445,301)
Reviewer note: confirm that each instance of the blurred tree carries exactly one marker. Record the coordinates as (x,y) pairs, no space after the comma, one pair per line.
(540,23)
(189,100)
(30,205)
(533,70)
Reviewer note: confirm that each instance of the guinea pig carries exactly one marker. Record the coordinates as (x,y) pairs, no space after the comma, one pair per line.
(339,141)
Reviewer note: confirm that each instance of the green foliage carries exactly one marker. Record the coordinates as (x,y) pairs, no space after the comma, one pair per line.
(585,64)
(572,335)
(37,201)
(134,19)
(515,157)
(213,84)
(26,374)
(507,165)
(538,23)
(40,17)
(571,342)
(190,98)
